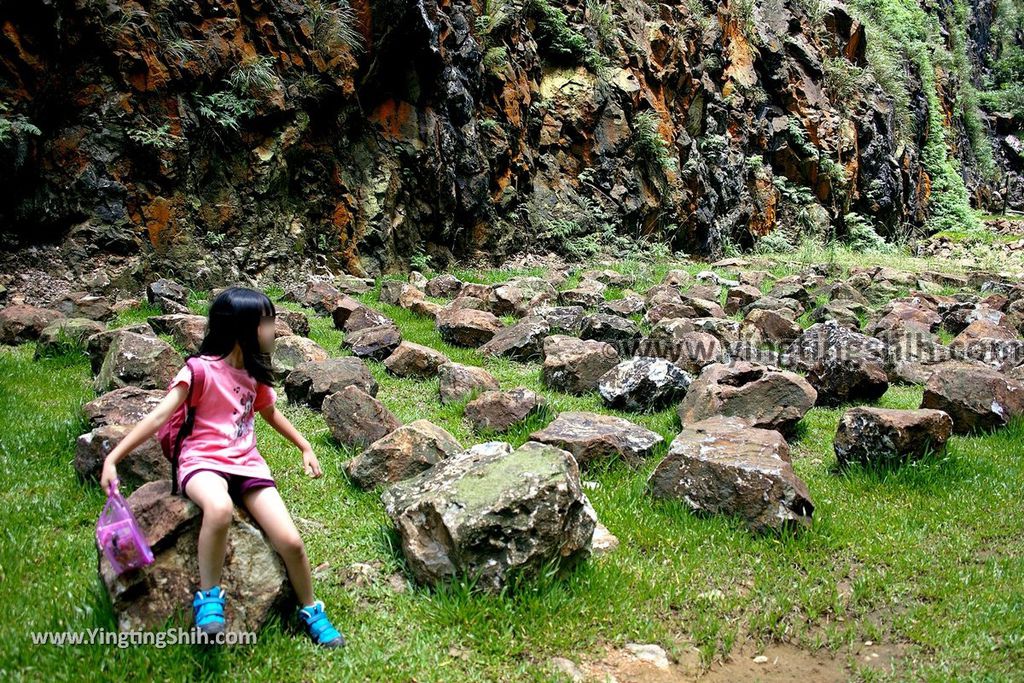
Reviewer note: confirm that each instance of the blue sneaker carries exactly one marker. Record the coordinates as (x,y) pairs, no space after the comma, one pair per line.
(319,626)
(208,610)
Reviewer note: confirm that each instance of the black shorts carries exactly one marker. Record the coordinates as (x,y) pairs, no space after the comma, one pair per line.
(237,483)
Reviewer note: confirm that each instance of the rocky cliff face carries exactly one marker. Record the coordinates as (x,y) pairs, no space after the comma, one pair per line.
(205,137)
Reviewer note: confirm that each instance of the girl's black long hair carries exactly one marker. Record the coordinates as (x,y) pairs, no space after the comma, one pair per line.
(235,317)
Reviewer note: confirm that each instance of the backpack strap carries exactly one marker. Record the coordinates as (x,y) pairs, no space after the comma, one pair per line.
(198,378)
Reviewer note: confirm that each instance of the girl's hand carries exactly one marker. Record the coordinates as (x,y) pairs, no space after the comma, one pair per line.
(310,464)
(109,474)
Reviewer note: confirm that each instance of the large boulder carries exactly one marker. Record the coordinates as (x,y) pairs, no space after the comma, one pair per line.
(723,466)
(488,513)
(22,323)
(403,453)
(575,366)
(186,329)
(414,360)
(516,296)
(841,365)
(467,326)
(592,437)
(762,326)
(66,334)
(376,342)
(622,333)
(254,576)
(883,436)
(761,395)
(457,382)
(85,305)
(310,383)
(445,286)
(561,319)
(976,398)
(168,296)
(497,411)
(356,418)
(124,406)
(144,464)
(523,341)
(97,345)
(291,352)
(139,360)
(643,384)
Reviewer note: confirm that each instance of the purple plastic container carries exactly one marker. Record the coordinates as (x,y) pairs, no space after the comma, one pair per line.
(119,536)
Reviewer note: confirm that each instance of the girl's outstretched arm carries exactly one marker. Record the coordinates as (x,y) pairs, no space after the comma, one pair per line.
(276,419)
(143,429)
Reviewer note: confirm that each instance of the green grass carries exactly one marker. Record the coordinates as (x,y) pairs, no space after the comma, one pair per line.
(926,558)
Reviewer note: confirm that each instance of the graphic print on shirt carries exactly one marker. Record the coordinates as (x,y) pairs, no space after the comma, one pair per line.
(244,422)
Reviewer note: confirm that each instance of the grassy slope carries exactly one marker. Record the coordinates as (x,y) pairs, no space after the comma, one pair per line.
(927,557)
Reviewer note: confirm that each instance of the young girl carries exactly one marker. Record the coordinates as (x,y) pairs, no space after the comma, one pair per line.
(219,465)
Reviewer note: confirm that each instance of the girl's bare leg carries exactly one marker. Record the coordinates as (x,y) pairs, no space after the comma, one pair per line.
(210,492)
(267,508)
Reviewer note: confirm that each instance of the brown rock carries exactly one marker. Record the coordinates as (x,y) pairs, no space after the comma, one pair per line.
(575,366)
(414,360)
(355,418)
(310,383)
(498,410)
(977,399)
(21,323)
(761,395)
(457,382)
(723,466)
(882,436)
(467,327)
(405,452)
(592,437)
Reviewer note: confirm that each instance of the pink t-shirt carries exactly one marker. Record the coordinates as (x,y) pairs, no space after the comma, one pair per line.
(223,437)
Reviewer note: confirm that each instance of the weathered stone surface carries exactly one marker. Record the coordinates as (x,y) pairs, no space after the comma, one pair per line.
(643,384)
(322,297)
(489,513)
(575,366)
(498,410)
(187,330)
(679,341)
(977,399)
(620,332)
(290,352)
(723,466)
(518,295)
(403,453)
(740,296)
(457,382)
(561,319)
(21,323)
(254,576)
(296,321)
(377,342)
(144,464)
(593,437)
(311,382)
(85,305)
(523,341)
(97,345)
(769,327)
(165,288)
(356,418)
(66,334)
(761,395)
(841,365)
(444,286)
(361,318)
(414,360)
(631,304)
(124,406)
(140,360)
(467,326)
(343,310)
(883,436)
